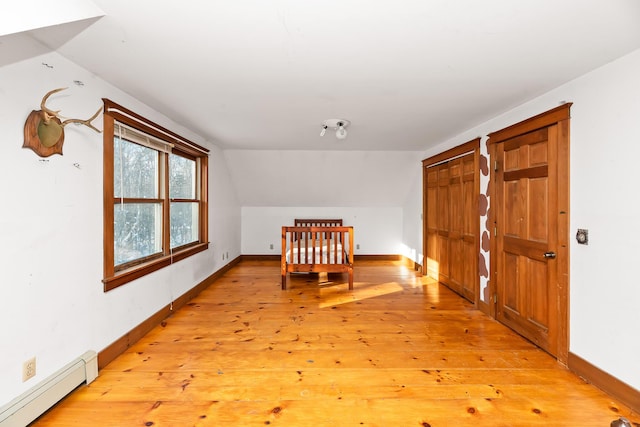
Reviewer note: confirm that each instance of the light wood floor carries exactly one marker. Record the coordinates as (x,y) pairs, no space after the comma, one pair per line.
(399,350)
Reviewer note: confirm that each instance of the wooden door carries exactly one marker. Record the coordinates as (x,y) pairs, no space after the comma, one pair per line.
(451,219)
(531,213)
(463,219)
(442,223)
(470,239)
(456,205)
(430,216)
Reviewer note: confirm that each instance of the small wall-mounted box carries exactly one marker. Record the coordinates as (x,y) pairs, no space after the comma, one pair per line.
(582,236)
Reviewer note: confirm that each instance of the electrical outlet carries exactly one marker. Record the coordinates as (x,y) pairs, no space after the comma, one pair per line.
(29,369)
(358,246)
(227,254)
(271,246)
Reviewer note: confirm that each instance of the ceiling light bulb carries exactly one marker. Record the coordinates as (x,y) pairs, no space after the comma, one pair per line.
(341,133)
(324,129)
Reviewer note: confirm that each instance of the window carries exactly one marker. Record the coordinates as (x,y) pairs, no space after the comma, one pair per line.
(155,196)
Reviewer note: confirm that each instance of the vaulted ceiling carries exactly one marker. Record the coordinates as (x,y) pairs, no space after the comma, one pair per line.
(265,74)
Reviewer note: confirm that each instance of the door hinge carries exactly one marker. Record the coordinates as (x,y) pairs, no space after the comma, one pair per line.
(495,166)
(495,231)
(495,298)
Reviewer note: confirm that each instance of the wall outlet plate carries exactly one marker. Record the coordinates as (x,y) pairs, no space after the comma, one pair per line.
(28,369)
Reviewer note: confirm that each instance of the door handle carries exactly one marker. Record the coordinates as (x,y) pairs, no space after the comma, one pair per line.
(550,255)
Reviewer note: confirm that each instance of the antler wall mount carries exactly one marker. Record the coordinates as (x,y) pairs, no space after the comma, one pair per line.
(44,130)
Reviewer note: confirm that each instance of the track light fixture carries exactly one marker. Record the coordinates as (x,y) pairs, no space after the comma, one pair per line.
(339,125)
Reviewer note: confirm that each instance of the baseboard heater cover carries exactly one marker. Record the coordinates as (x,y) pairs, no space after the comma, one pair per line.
(36,401)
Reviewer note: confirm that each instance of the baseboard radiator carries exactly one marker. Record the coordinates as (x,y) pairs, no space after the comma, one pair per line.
(36,401)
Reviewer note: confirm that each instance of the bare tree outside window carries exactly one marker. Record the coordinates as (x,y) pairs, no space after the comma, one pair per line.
(137,226)
(184,205)
(155,204)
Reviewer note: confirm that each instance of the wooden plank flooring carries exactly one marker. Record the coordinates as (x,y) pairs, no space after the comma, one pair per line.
(399,350)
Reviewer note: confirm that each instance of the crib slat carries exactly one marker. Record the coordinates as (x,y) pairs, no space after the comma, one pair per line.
(313,250)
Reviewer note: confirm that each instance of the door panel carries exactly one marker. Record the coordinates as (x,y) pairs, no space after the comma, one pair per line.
(538,308)
(469,270)
(538,211)
(456,221)
(443,257)
(433,266)
(469,216)
(431,215)
(511,292)
(513,220)
(443,222)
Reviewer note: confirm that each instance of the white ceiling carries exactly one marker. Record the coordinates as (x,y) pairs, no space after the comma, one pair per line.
(265,74)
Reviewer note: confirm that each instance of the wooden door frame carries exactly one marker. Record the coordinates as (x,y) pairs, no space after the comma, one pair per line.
(472,146)
(559,116)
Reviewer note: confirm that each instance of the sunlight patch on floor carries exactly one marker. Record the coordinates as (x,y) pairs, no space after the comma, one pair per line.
(335,295)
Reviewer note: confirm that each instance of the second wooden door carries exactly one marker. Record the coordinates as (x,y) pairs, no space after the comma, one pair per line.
(531,218)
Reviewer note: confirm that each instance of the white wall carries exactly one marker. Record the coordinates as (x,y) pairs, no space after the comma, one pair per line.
(605,148)
(378,230)
(367,189)
(322,178)
(54,307)
(224,212)
(412,219)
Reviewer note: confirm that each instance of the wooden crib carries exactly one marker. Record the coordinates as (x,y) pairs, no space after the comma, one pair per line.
(317,246)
